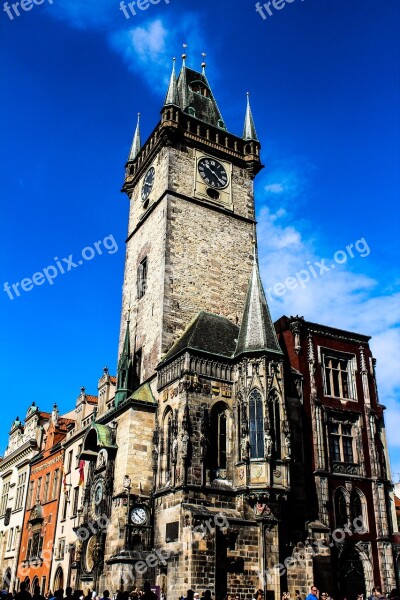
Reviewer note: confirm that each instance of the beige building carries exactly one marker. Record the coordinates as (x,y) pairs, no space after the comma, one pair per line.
(24,442)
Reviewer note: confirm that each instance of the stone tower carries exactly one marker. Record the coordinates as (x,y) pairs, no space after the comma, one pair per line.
(191,223)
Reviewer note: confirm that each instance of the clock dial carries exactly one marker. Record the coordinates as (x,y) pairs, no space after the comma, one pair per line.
(148,183)
(98,493)
(138,515)
(213,173)
(90,552)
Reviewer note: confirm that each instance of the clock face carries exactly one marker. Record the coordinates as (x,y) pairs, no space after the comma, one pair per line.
(213,173)
(98,493)
(148,183)
(138,515)
(90,552)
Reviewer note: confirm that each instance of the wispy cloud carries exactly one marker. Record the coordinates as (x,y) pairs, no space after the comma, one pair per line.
(284,181)
(344,297)
(149,48)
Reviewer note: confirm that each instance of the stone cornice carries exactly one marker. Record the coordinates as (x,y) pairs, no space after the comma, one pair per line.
(19,454)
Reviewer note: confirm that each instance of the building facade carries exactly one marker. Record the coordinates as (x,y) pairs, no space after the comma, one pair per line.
(24,443)
(37,552)
(212,465)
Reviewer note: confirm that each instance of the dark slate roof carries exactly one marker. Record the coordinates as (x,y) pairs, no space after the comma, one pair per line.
(207,333)
(206,107)
(257,332)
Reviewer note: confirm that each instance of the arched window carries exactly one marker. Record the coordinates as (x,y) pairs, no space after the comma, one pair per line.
(168,437)
(355,506)
(274,414)
(219,434)
(340,509)
(256,424)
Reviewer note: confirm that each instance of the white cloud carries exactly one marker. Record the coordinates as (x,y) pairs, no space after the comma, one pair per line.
(275,188)
(148,49)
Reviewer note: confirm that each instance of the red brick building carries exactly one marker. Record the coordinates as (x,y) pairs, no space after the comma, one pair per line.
(44,493)
(345,465)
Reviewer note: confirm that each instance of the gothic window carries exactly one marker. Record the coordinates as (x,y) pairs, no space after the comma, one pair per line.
(142,278)
(46,488)
(19,499)
(75,502)
(256,423)
(39,490)
(55,483)
(168,436)
(219,437)
(340,509)
(239,431)
(274,414)
(198,87)
(30,495)
(4,498)
(341,443)
(339,376)
(358,511)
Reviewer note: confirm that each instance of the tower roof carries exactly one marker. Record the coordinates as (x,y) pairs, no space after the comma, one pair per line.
(196,97)
(172,93)
(249,129)
(136,144)
(257,332)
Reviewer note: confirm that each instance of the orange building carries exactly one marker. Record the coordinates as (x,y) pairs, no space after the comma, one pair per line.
(37,542)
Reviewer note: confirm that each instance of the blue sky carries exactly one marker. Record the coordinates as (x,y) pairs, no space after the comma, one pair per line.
(325,91)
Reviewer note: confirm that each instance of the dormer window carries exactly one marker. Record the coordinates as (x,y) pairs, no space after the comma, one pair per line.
(191,111)
(198,87)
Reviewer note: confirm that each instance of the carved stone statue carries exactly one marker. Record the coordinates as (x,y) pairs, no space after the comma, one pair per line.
(175,450)
(185,443)
(288,446)
(268,444)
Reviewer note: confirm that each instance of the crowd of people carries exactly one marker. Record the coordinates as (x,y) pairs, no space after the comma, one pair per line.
(69,594)
(148,594)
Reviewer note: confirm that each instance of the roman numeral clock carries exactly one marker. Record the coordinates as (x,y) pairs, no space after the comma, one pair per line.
(212,180)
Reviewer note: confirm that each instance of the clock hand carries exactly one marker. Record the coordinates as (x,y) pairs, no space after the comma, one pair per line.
(217,176)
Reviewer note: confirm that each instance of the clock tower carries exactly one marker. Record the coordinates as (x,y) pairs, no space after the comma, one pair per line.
(191,224)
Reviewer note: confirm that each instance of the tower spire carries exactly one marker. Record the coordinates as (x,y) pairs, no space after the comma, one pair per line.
(136,144)
(249,130)
(172,93)
(125,368)
(257,332)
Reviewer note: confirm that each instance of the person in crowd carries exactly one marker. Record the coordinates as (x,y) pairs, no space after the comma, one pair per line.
(23,593)
(147,593)
(313,593)
(37,595)
(228,597)
(259,595)
(394,595)
(190,595)
(207,595)
(106,595)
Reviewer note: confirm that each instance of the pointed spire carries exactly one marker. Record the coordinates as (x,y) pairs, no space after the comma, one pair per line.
(136,144)
(249,130)
(125,368)
(257,332)
(172,94)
